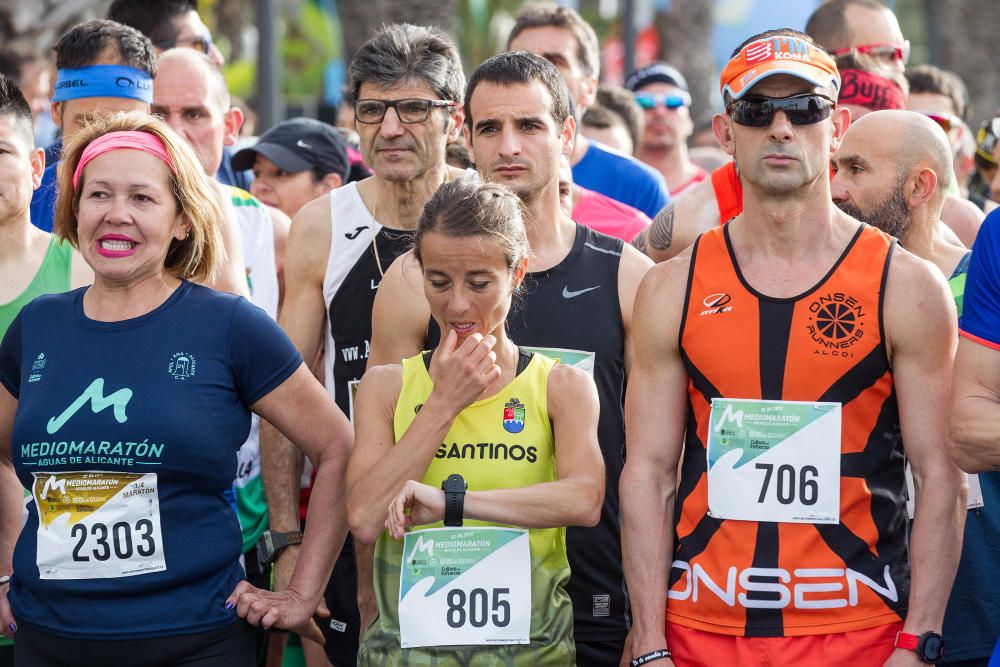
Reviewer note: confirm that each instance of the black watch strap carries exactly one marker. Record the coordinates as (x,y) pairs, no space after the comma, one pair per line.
(271,543)
(454,500)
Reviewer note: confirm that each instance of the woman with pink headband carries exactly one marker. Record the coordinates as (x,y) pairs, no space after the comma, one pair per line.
(122,407)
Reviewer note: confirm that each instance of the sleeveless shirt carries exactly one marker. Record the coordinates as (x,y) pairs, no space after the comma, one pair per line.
(572,313)
(361,251)
(52,277)
(768,579)
(479,448)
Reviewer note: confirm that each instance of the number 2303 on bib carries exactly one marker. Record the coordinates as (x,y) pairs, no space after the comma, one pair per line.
(774,461)
(465,586)
(97,525)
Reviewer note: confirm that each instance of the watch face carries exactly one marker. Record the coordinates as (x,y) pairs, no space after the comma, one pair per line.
(931,647)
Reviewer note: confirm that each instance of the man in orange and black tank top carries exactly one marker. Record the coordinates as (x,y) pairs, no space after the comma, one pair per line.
(794,356)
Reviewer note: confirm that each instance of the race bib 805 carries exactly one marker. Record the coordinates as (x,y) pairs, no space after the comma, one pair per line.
(465,586)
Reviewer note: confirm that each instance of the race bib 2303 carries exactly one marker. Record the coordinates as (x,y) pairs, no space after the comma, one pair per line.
(774,461)
(465,586)
(97,525)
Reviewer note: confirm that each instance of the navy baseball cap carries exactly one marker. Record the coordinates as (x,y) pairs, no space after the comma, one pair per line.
(656,73)
(299,144)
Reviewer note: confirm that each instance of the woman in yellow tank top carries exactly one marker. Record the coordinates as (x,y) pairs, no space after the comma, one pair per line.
(520,431)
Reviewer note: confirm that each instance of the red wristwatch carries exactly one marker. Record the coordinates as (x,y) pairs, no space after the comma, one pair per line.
(929,646)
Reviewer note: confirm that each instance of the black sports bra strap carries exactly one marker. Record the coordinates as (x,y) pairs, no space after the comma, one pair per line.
(523,359)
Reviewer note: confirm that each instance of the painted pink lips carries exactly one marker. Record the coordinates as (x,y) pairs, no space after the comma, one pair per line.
(116,245)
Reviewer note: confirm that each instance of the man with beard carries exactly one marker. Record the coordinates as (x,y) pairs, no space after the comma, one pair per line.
(892,171)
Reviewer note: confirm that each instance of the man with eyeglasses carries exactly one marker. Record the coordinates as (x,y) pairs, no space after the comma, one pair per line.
(407,83)
(785,357)
(662,92)
(168,24)
(176,24)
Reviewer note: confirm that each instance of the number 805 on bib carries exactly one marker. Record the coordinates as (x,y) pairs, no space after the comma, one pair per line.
(465,586)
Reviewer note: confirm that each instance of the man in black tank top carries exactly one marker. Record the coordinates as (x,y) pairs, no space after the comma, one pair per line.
(575,305)
(339,248)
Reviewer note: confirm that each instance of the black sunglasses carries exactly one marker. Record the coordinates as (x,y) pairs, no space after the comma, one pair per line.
(802,109)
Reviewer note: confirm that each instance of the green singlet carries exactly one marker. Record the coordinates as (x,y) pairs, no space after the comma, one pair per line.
(504,441)
(53,277)
(957,281)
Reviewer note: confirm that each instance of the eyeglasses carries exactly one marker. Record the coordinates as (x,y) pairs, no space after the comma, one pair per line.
(371,112)
(201,43)
(897,52)
(671,101)
(945,120)
(801,109)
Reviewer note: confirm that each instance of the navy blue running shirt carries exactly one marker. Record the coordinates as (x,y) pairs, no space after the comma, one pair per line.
(126,435)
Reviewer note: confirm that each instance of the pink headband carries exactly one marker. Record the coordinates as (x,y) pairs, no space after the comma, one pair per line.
(112,141)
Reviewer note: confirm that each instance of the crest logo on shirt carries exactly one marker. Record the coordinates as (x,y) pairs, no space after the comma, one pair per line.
(836,323)
(182,365)
(513,416)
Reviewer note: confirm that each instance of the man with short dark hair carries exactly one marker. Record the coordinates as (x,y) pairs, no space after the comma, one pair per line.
(407,85)
(599,123)
(106,67)
(578,307)
(168,24)
(783,370)
(942,96)
(175,23)
(561,36)
(620,102)
(93,60)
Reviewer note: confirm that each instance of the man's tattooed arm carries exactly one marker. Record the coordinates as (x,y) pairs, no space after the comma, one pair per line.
(659,234)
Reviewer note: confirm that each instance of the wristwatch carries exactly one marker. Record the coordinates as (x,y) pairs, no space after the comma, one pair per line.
(929,646)
(454,499)
(271,543)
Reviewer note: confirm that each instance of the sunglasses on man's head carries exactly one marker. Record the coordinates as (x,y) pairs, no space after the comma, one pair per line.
(897,52)
(671,101)
(802,109)
(946,121)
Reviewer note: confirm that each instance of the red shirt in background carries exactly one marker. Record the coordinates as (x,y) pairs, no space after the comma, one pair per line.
(609,216)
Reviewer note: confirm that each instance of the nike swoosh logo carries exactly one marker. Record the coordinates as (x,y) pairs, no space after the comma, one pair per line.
(357,230)
(567,294)
(302,144)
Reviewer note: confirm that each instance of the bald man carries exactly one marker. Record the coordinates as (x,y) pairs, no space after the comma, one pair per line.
(893,170)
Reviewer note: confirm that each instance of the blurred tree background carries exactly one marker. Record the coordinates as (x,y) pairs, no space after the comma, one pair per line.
(317,37)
